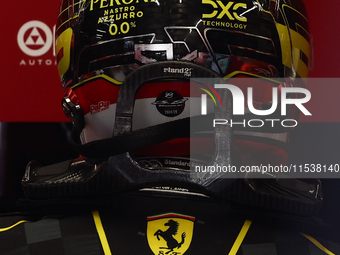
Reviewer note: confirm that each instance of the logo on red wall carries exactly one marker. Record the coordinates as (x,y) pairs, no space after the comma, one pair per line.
(36,41)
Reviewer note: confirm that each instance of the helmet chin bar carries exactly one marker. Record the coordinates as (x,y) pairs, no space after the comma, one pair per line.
(113,170)
(124,113)
(124,172)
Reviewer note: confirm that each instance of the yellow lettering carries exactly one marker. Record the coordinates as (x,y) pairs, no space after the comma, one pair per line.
(213,4)
(102,4)
(113,29)
(236,6)
(93,2)
(112,2)
(63,50)
(225,10)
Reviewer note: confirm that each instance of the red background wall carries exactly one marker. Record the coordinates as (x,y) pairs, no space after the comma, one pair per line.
(324,26)
(30,87)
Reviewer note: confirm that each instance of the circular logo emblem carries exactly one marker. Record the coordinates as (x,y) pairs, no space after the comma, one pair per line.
(35,38)
(170,103)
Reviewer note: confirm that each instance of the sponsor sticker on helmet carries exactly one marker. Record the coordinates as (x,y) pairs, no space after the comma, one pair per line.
(173,70)
(170,103)
(228,14)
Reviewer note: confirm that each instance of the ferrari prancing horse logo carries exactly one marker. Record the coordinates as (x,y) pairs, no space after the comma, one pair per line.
(170,233)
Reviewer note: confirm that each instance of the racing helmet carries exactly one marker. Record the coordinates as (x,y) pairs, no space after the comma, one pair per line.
(137,75)
(99,43)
